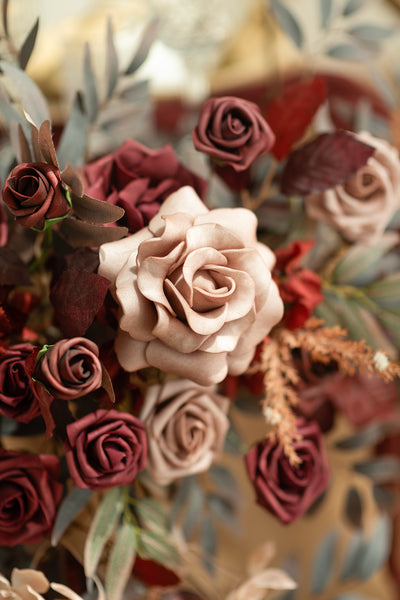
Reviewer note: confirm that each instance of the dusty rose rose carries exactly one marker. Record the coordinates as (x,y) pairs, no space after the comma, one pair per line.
(34,193)
(29,496)
(105,449)
(25,584)
(139,179)
(186,426)
(70,369)
(195,290)
(3,226)
(18,400)
(362,207)
(284,490)
(232,131)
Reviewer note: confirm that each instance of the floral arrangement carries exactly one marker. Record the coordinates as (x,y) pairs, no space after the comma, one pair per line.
(147,307)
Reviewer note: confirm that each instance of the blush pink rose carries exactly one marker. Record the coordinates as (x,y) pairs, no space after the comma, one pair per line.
(362,207)
(186,425)
(195,290)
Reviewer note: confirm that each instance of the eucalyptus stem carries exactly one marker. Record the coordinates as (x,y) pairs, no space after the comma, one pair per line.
(47,243)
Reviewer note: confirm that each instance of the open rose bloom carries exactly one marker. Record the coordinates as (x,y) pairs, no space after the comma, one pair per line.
(195,290)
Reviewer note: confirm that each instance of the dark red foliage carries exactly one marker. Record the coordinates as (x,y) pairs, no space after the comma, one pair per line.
(329,160)
(152,573)
(292,111)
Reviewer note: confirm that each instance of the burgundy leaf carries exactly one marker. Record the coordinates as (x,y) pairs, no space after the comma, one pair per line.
(12,270)
(329,160)
(292,111)
(77,297)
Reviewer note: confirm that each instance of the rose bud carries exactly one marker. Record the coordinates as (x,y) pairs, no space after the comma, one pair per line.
(105,449)
(17,398)
(29,496)
(232,131)
(286,490)
(70,369)
(34,194)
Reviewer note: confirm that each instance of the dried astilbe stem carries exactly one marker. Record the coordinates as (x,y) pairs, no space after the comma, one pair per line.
(280,377)
(324,345)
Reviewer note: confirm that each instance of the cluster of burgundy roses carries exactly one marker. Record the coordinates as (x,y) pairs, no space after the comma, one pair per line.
(192,293)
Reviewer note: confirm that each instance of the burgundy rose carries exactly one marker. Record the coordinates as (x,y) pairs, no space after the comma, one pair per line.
(300,288)
(139,179)
(34,193)
(18,400)
(29,496)
(232,131)
(105,449)
(70,369)
(286,490)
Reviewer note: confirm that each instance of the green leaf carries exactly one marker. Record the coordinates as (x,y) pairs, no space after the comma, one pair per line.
(324,560)
(369,32)
(353,557)
(120,562)
(90,86)
(222,509)
(377,549)
(326,12)
(347,51)
(181,497)
(5,16)
(32,99)
(208,544)
(101,528)
(353,507)
(224,479)
(156,546)
(111,62)
(144,47)
(151,514)
(72,146)
(135,92)
(352,6)
(287,21)
(391,322)
(28,45)
(359,264)
(370,435)
(383,469)
(386,291)
(70,507)
(194,511)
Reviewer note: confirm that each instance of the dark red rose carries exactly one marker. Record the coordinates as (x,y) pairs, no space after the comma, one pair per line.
(232,131)
(139,180)
(29,496)
(70,369)
(300,288)
(105,449)
(364,399)
(18,400)
(34,194)
(3,226)
(284,490)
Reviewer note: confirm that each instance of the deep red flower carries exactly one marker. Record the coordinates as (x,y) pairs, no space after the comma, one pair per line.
(285,490)
(139,180)
(104,449)
(300,288)
(18,399)
(29,496)
(34,193)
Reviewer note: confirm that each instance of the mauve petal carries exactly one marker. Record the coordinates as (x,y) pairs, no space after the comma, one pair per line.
(113,255)
(185,200)
(152,273)
(228,337)
(131,353)
(139,314)
(240,221)
(201,367)
(174,333)
(211,235)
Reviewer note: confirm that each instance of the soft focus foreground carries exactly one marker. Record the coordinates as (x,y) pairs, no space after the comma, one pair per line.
(199,301)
